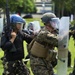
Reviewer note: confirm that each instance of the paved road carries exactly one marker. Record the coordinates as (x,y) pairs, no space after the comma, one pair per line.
(34,15)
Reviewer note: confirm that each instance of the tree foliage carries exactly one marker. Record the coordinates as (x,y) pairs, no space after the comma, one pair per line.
(64,7)
(11,3)
(27,6)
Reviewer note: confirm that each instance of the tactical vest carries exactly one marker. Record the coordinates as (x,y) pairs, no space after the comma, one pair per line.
(39,50)
(42,44)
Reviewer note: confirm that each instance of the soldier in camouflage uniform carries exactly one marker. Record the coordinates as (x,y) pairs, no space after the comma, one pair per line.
(42,47)
(12,46)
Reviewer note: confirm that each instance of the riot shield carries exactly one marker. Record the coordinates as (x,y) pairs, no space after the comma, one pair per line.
(63,46)
(35,25)
(1,28)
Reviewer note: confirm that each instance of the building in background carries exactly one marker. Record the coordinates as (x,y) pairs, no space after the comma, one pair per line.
(43,6)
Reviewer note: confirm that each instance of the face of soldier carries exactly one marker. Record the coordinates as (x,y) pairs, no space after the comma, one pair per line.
(19,26)
(55,23)
(49,27)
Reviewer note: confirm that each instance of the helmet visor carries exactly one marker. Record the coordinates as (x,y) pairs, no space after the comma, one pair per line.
(19,26)
(55,23)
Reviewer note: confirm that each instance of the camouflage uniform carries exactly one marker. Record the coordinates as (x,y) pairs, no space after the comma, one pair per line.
(40,65)
(16,67)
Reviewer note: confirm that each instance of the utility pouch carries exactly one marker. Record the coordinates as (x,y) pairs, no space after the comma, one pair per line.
(51,55)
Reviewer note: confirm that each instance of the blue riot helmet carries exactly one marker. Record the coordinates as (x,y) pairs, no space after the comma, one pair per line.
(16,19)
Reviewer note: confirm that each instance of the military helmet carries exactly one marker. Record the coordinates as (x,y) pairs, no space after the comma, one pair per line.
(15,18)
(47,17)
(52,19)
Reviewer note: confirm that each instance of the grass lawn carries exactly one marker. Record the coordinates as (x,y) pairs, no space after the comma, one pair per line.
(71,48)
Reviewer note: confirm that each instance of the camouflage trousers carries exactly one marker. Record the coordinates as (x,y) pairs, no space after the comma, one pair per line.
(15,68)
(40,66)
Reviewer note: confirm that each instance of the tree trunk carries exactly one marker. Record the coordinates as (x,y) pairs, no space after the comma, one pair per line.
(74,16)
(62,10)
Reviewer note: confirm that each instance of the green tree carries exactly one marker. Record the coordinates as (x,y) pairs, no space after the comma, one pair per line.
(61,6)
(29,6)
(12,4)
(73,7)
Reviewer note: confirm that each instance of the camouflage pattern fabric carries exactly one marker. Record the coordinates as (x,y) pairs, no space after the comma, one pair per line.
(15,68)
(40,66)
(47,38)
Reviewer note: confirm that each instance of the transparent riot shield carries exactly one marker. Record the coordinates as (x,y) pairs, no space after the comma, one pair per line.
(36,26)
(1,28)
(63,46)
(33,26)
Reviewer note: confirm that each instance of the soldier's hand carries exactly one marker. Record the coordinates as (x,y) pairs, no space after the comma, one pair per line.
(13,35)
